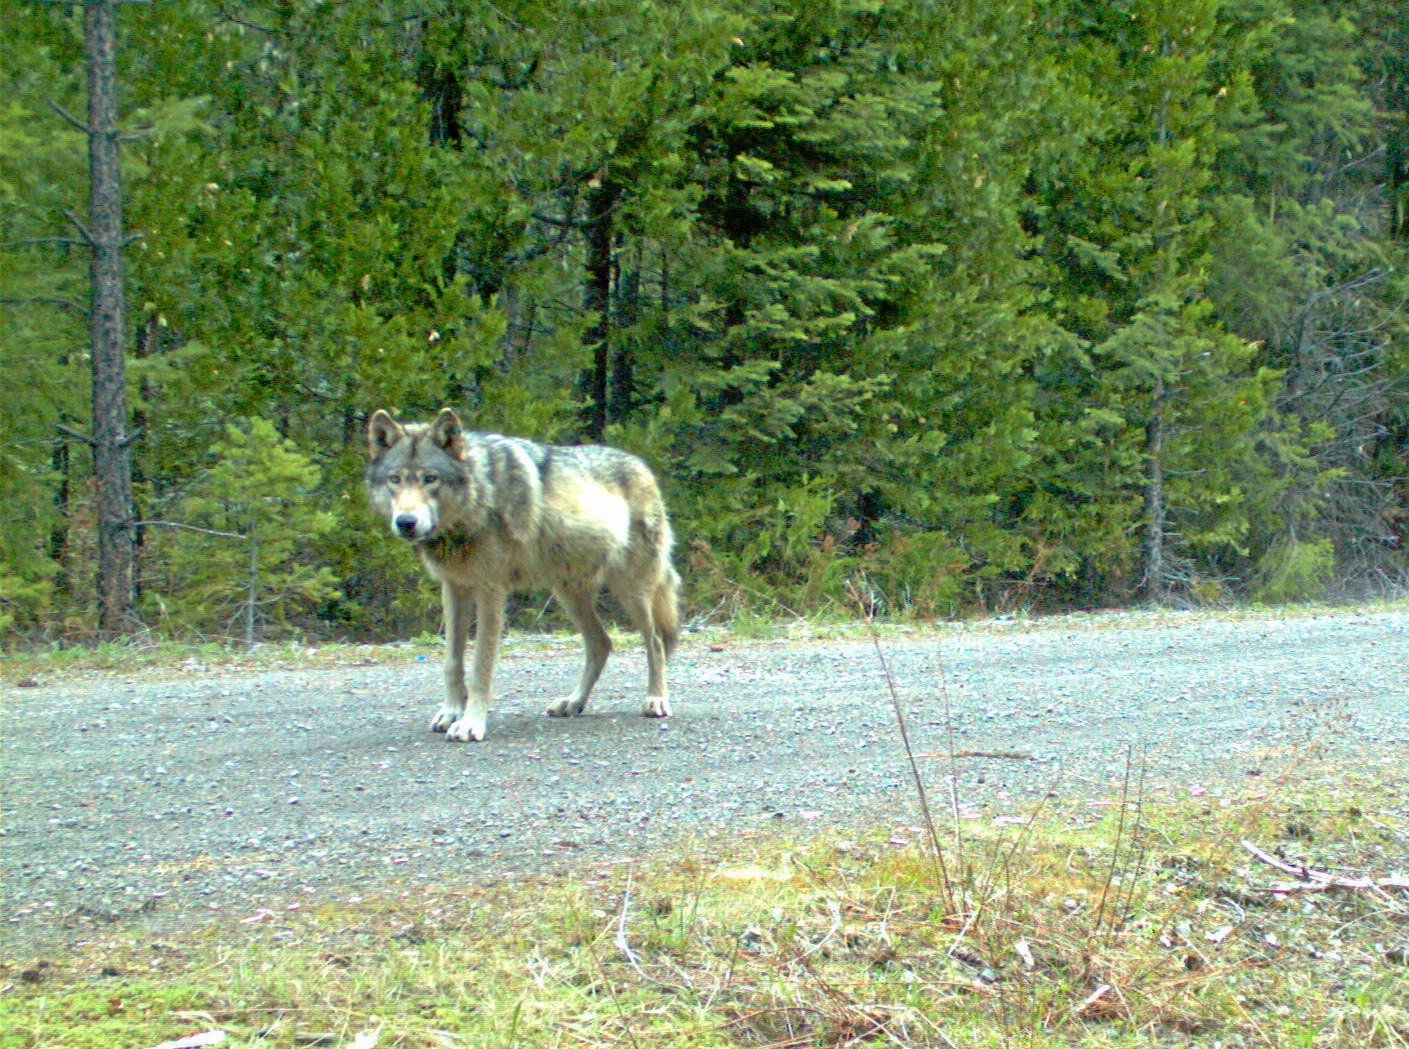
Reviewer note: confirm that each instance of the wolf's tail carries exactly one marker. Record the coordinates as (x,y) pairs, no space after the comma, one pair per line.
(665,608)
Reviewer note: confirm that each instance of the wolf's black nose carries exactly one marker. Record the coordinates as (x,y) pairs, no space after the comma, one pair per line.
(405,524)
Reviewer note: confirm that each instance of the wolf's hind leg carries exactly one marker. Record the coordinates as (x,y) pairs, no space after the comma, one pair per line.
(581,607)
(640,606)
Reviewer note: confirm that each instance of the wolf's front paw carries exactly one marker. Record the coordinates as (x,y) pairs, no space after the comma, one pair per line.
(566,707)
(468,729)
(656,707)
(443,719)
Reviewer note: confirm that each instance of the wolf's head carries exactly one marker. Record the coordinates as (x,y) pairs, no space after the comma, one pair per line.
(417,474)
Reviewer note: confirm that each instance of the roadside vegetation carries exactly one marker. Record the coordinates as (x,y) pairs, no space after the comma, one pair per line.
(1144,919)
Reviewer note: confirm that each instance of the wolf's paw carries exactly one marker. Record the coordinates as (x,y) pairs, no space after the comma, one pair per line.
(656,707)
(566,707)
(467,730)
(443,719)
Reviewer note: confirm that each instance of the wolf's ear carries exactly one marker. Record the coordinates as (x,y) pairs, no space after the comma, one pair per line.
(445,433)
(382,432)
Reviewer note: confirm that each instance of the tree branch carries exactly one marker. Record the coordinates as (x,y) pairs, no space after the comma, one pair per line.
(32,242)
(78,225)
(69,118)
(83,437)
(1320,881)
(189,528)
(48,301)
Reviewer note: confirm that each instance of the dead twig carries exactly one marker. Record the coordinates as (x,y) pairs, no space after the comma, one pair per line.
(620,939)
(1312,880)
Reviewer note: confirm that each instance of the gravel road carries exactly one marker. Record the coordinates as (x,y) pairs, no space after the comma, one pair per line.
(168,798)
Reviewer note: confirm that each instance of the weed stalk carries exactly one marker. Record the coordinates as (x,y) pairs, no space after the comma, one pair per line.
(921,794)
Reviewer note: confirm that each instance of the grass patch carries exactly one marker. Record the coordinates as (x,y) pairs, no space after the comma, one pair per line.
(1126,924)
(139,654)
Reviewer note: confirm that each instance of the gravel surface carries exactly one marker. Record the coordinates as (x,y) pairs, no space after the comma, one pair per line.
(169,798)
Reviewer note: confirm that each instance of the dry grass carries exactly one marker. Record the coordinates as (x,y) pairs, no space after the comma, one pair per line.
(1142,927)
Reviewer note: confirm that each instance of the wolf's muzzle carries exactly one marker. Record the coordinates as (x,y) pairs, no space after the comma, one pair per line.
(405,525)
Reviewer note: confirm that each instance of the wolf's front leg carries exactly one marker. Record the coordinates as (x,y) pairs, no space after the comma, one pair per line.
(456,605)
(489,624)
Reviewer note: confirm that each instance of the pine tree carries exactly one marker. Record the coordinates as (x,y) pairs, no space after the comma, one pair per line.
(1162,404)
(797,151)
(239,555)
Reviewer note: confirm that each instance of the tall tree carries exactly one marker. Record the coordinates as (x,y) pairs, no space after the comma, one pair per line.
(1167,401)
(111,440)
(802,151)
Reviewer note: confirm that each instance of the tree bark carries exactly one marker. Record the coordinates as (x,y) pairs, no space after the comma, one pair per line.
(621,390)
(599,233)
(252,583)
(1156,582)
(112,456)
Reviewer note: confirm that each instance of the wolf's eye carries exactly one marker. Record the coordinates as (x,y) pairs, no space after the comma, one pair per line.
(394,477)
(429,479)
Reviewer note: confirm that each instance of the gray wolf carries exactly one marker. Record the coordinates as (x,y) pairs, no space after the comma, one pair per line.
(490,514)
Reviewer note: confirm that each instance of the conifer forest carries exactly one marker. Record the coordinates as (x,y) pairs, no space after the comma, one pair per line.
(919,308)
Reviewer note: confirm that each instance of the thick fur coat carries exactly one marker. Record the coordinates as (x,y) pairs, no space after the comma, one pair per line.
(490,514)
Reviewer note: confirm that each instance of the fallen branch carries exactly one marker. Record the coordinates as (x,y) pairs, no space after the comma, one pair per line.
(1319,881)
(621,943)
(1008,755)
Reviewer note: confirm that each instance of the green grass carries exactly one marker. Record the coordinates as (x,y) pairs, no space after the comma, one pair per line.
(1142,927)
(140,654)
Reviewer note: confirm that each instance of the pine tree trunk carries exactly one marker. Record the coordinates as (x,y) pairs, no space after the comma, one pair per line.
(622,387)
(1156,583)
(600,206)
(58,534)
(252,584)
(112,457)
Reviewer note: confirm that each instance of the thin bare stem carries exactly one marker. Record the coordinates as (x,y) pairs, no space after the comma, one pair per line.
(921,794)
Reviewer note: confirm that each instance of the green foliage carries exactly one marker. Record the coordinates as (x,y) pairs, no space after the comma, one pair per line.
(243,551)
(1294,571)
(41,312)
(1029,303)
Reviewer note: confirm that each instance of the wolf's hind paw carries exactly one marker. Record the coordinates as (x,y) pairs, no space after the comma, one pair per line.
(566,707)
(656,707)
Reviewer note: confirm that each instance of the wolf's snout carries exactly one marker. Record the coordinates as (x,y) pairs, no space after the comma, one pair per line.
(405,525)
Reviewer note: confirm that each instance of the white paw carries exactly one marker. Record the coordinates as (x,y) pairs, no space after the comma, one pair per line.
(566,707)
(468,729)
(656,707)
(444,718)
